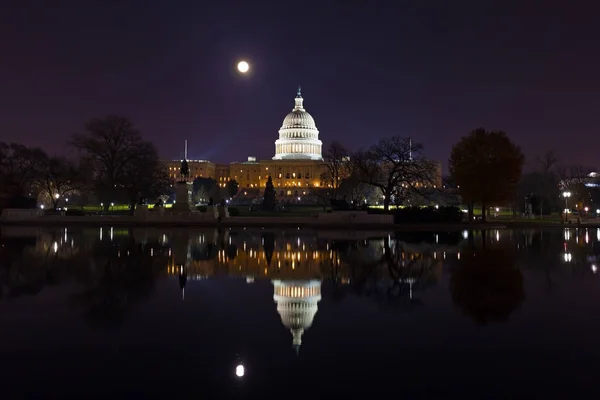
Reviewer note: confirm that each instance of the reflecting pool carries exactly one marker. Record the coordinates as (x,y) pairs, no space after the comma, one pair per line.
(298,314)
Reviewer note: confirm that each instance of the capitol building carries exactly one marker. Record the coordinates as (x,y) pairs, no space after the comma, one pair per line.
(296,167)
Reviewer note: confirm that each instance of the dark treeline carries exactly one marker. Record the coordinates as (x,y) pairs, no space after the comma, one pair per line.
(114,165)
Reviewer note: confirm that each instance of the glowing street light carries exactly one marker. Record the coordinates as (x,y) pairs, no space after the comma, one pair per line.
(56,196)
(566,195)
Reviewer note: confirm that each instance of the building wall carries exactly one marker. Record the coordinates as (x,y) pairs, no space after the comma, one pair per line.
(222,174)
(291,178)
(198,169)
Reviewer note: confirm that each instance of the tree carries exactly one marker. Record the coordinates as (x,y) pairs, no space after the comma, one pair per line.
(574,179)
(358,192)
(487,284)
(113,145)
(201,195)
(144,178)
(486,167)
(60,178)
(204,188)
(269,200)
(336,165)
(394,166)
(232,188)
(549,189)
(20,166)
(184,170)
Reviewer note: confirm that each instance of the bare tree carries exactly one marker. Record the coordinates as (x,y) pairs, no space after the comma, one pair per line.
(396,167)
(19,167)
(113,145)
(322,193)
(573,179)
(546,163)
(143,178)
(201,195)
(59,178)
(336,159)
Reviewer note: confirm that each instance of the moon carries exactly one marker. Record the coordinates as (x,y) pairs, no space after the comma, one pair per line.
(243,67)
(239,371)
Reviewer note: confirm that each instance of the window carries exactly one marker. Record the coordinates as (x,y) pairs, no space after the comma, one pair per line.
(281,193)
(289,192)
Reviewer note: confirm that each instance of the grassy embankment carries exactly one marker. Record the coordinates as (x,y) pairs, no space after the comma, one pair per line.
(305,211)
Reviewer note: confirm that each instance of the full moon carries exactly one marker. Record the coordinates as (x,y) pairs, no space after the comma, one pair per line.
(243,67)
(239,370)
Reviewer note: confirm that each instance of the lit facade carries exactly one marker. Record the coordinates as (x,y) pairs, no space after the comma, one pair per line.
(296,169)
(198,169)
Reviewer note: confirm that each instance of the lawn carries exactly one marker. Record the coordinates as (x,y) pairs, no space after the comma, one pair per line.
(116,207)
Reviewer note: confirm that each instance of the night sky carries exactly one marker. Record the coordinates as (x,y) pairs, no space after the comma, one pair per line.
(432,70)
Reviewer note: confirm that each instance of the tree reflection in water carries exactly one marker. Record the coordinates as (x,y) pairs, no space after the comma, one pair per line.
(126,276)
(392,273)
(487,284)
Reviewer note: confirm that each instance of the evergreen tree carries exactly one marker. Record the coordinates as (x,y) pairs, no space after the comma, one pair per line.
(185,170)
(232,188)
(269,197)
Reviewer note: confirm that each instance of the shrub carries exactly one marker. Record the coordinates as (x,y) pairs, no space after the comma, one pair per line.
(234,212)
(339,205)
(21,202)
(428,214)
(202,208)
(74,213)
(425,214)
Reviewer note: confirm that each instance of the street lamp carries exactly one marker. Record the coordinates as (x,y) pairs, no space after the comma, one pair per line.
(566,195)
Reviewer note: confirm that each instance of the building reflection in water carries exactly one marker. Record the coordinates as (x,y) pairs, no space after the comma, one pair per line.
(297,304)
(390,270)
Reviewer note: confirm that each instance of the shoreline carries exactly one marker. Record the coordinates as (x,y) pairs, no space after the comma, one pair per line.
(286,222)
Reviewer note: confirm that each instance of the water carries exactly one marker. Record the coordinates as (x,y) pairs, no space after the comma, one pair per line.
(300,314)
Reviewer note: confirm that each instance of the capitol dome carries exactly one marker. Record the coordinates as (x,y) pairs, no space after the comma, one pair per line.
(298,135)
(297,304)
